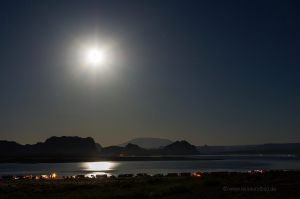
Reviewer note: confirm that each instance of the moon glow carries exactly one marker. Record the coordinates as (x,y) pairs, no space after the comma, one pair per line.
(95,57)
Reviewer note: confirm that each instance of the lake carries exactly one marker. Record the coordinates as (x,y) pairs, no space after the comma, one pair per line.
(220,163)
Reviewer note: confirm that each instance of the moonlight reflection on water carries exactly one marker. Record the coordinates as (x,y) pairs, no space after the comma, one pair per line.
(99,166)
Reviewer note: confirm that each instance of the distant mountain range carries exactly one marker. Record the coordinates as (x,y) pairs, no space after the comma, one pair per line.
(86,149)
(77,149)
(148,142)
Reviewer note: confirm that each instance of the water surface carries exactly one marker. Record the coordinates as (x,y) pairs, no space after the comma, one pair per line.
(221,163)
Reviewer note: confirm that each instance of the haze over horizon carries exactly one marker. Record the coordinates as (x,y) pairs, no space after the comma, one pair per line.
(209,72)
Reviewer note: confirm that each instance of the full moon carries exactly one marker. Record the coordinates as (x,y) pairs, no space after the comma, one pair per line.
(95,57)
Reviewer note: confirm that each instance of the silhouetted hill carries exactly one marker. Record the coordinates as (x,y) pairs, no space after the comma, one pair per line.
(54,147)
(176,148)
(70,146)
(128,150)
(98,146)
(148,143)
(111,151)
(180,148)
(135,150)
(9,148)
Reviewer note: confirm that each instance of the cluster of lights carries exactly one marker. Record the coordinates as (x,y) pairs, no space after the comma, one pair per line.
(39,177)
(257,171)
(197,174)
(53,176)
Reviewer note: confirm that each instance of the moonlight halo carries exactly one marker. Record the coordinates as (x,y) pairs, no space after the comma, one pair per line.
(95,57)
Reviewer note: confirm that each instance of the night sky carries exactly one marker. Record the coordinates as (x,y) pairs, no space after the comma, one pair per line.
(210,72)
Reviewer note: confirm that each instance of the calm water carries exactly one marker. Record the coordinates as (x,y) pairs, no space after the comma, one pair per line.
(225,163)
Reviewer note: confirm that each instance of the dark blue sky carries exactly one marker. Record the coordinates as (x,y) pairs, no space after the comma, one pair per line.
(210,72)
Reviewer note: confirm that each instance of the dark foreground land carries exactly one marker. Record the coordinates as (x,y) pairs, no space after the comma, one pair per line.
(274,184)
